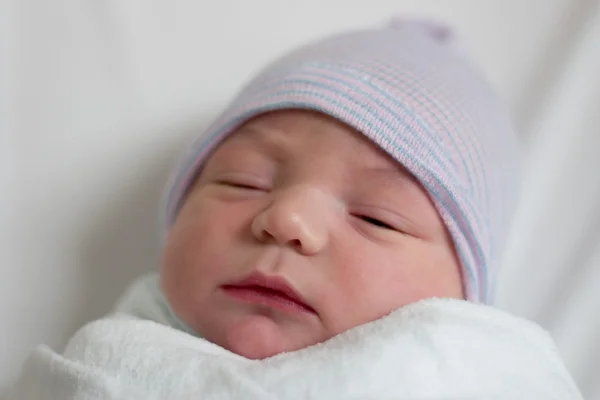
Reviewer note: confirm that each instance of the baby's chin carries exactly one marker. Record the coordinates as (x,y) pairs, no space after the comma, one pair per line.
(258,337)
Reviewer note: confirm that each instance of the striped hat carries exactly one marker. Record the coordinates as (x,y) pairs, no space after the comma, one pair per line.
(410,89)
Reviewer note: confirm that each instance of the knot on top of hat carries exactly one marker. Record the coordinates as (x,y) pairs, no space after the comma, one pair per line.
(436,30)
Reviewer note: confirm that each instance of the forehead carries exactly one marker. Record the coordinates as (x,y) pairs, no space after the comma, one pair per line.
(314,134)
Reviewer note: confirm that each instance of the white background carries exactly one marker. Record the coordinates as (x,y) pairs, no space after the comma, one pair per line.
(97,97)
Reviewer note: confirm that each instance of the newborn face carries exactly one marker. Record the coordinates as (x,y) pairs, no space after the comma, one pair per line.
(298,229)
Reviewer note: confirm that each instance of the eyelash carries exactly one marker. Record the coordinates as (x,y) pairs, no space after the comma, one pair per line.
(376,222)
(239,185)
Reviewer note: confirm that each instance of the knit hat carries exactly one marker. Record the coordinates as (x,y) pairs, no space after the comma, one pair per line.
(408,88)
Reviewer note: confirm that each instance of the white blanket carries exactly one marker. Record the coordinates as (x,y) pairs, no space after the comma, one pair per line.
(434,349)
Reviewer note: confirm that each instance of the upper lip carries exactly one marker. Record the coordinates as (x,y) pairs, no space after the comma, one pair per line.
(274,283)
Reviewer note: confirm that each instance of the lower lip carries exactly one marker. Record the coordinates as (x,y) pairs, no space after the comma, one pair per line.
(273,300)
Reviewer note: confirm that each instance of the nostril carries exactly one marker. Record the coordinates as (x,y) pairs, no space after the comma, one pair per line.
(266,236)
(296,243)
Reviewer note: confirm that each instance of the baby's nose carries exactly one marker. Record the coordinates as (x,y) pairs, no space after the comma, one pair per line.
(300,217)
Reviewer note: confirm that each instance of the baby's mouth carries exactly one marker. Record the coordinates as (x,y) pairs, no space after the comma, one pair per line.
(270,291)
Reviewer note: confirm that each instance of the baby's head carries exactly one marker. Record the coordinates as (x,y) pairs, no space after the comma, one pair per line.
(352,177)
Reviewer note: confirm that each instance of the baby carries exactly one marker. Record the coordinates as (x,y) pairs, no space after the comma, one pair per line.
(352,177)
(311,234)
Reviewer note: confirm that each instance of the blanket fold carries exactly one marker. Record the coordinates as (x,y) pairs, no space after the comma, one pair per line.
(435,349)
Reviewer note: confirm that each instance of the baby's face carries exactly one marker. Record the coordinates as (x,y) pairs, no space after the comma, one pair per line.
(298,229)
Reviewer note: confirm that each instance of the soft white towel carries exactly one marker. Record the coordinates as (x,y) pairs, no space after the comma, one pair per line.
(435,350)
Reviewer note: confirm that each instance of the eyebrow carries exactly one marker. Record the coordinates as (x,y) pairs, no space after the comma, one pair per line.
(271,141)
(394,172)
(396,175)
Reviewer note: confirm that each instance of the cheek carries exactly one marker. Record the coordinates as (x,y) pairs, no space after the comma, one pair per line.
(375,281)
(437,272)
(190,241)
(197,255)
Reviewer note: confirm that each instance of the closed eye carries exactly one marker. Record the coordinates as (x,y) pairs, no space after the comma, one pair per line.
(239,185)
(376,222)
